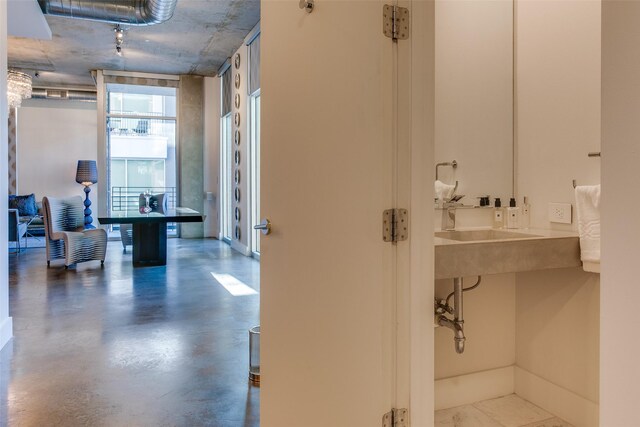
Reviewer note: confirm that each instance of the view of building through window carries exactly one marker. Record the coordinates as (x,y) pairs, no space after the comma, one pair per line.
(141,141)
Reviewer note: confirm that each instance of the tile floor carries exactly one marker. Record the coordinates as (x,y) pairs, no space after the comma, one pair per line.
(507,411)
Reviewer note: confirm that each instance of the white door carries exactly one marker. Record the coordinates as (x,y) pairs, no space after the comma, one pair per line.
(328,154)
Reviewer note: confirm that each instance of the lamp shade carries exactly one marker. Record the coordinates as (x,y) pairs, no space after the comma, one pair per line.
(87,172)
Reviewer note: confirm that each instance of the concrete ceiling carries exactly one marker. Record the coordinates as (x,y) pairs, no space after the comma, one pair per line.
(201,35)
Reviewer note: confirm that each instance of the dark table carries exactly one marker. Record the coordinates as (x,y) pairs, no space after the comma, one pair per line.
(150,232)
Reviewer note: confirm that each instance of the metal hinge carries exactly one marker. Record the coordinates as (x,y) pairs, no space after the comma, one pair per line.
(395,418)
(395,22)
(395,225)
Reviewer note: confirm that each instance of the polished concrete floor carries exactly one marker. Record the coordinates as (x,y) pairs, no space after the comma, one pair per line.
(156,346)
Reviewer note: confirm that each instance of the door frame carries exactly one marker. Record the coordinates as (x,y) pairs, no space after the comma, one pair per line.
(415,89)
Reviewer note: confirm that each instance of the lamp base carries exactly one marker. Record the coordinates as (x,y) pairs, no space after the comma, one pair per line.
(87,210)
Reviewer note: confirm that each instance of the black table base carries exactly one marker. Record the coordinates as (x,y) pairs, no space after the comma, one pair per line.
(149,244)
(150,231)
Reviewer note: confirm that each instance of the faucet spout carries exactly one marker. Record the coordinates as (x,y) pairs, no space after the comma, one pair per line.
(448,217)
(458,331)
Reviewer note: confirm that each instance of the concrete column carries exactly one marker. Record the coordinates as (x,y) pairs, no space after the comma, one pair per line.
(191,150)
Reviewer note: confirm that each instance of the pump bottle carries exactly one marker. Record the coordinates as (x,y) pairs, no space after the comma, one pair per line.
(513,214)
(498,214)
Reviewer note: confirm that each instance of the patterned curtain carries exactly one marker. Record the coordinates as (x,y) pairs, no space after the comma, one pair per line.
(13,145)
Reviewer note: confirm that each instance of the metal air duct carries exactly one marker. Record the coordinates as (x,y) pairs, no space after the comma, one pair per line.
(64,94)
(128,12)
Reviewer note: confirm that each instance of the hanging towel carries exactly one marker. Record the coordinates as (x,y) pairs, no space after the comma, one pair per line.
(444,191)
(588,211)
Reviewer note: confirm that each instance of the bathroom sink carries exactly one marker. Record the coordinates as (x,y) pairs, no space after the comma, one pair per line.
(463,253)
(481,235)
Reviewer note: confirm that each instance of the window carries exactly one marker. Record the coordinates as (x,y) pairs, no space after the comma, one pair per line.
(255,170)
(226,181)
(141,144)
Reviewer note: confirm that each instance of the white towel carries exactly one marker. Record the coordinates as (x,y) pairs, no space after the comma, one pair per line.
(588,211)
(444,191)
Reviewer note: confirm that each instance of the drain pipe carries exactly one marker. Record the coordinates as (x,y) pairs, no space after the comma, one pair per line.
(457,324)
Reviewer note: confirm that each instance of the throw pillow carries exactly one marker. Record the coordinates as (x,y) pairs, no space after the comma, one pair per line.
(26,205)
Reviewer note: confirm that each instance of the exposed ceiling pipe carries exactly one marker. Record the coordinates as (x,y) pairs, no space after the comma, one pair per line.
(129,12)
(64,94)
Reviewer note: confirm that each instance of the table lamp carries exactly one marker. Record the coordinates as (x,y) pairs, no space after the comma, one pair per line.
(86,175)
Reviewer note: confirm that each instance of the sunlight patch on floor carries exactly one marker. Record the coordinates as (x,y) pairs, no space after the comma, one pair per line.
(234,286)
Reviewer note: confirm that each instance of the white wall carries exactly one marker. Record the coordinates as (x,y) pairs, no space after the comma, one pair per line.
(558,123)
(211,154)
(52,137)
(557,318)
(6,326)
(620,372)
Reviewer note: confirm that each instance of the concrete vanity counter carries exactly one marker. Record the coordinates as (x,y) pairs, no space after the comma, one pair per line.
(528,250)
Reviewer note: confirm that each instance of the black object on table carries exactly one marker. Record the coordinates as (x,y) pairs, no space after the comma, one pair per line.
(150,232)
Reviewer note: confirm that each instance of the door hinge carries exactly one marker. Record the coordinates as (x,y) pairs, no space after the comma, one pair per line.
(396,418)
(395,225)
(395,22)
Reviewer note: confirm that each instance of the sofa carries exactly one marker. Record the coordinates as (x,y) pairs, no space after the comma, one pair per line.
(17,230)
(29,213)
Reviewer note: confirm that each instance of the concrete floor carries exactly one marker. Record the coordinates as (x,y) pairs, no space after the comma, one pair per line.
(157,346)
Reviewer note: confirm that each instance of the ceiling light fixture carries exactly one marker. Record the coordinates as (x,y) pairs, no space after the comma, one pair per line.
(18,87)
(119,39)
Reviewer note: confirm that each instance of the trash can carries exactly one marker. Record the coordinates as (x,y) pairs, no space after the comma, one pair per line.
(254,355)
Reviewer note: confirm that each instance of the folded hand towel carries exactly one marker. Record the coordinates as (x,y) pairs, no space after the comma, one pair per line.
(588,211)
(444,191)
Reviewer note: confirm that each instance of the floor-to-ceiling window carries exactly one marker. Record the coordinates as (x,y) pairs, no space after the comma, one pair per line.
(226,179)
(141,144)
(226,163)
(253,93)
(255,170)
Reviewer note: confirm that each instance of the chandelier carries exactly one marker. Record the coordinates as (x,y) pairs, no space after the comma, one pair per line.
(18,87)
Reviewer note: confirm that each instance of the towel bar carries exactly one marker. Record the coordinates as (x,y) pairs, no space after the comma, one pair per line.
(453,164)
(591,154)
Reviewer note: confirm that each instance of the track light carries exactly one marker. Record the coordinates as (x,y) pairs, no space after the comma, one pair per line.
(119,39)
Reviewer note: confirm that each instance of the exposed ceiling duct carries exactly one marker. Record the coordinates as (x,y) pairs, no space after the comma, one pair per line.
(129,12)
(64,94)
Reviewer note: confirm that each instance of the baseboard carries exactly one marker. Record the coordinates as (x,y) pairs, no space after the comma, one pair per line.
(561,402)
(470,388)
(243,249)
(6,331)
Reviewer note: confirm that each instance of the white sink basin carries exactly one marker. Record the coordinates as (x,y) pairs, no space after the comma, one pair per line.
(482,235)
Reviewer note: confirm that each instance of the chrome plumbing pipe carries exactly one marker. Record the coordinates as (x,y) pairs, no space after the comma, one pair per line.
(457,324)
(458,314)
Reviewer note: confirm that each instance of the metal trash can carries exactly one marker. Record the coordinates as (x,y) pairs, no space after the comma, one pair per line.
(254,355)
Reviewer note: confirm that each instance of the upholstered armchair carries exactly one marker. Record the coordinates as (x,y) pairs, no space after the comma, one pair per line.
(65,233)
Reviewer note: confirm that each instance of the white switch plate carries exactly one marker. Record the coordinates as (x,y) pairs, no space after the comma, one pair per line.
(560,213)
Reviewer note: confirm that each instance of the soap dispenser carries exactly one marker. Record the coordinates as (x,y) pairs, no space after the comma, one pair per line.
(498,214)
(513,214)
